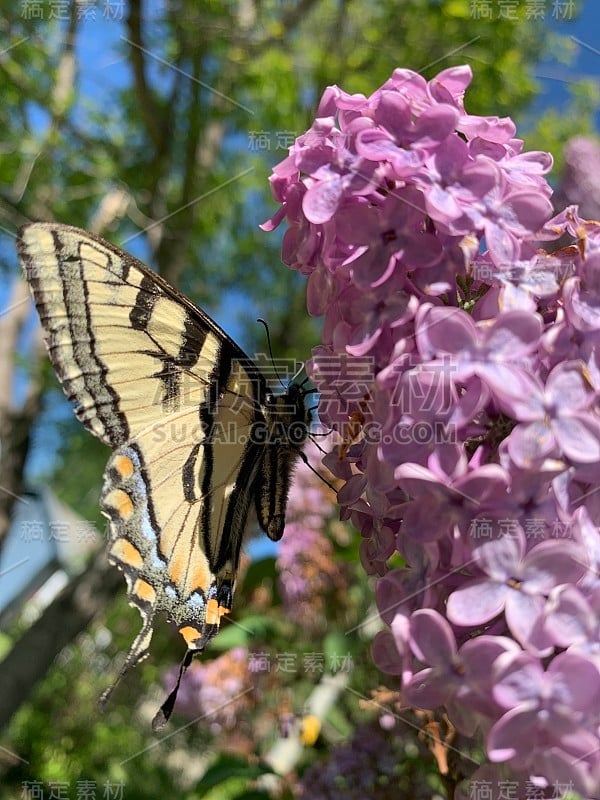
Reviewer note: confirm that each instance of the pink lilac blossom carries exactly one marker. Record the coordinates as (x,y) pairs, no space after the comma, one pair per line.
(579,182)
(460,364)
(376,763)
(216,692)
(306,566)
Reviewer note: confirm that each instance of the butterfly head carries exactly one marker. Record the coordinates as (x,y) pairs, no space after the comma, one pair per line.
(287,417)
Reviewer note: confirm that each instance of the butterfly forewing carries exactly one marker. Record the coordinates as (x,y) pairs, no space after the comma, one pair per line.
(186,412)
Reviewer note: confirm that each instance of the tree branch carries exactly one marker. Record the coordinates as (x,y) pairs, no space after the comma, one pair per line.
(151,113)
(15,423)
(59,104)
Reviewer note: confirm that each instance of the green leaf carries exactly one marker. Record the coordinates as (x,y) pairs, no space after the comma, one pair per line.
(227,767)
(258,572)
(230,635)
(240,632)
(336,647)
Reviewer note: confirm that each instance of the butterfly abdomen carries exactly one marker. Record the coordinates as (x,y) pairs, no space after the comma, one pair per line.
(285,431)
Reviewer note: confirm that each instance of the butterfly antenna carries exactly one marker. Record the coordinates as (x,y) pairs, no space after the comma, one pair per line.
(164,712)
(262,322)
(295,375)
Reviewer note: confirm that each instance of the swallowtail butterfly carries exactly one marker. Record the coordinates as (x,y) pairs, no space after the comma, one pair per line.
(197,436)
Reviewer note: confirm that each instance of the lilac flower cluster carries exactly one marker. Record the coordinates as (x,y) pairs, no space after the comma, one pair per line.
(215,691)
(459,363)
(580,178)
(374,764)
(305,563)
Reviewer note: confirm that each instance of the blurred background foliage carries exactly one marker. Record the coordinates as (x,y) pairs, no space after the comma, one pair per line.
(156,125)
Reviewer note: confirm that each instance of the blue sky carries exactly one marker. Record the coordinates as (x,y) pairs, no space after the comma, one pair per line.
(584,32)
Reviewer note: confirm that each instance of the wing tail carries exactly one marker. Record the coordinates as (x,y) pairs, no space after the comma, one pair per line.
(138,652)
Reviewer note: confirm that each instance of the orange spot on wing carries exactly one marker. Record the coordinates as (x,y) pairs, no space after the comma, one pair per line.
(176,570)
(127,554)
(144,591)
(124,466)
(190,635)
(120,501)
(200,579)
(212,612)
